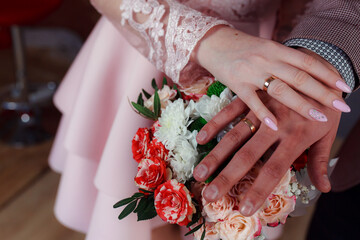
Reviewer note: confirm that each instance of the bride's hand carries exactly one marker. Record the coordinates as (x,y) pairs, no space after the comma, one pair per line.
(295,135)
(243,63)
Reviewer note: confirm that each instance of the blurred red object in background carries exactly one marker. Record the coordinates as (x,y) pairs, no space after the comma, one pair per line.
(22,12)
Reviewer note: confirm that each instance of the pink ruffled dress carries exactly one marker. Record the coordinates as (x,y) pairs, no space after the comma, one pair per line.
(92,149)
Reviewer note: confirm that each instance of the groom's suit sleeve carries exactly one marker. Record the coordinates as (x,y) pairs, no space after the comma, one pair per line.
(336,23)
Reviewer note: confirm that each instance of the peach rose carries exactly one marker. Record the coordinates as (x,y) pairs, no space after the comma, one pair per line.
(238,190)
(173,203)
(283,185)
(165,94)
(197,88)
(238,227)
(276,209)
(219,210)
(211,232)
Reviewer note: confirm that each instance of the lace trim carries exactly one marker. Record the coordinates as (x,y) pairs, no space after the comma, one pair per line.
(170,51)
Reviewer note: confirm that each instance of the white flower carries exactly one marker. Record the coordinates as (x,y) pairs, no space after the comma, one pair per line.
(181,143)
(207,107)
(173,123)
(183,159)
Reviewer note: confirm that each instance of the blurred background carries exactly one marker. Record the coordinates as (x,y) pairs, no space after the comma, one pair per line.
(39,39)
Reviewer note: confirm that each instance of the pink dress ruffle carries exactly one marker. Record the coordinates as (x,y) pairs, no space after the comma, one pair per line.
(92,148)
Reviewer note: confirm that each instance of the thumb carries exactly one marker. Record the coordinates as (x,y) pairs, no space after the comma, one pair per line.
(319,155)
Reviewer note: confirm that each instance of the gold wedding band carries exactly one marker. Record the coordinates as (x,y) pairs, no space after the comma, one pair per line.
(267,83)
(250,124)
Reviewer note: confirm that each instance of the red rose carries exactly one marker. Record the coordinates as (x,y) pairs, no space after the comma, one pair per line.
(301,162)
(140,143)
(173,203)
(157,149)
(151,173)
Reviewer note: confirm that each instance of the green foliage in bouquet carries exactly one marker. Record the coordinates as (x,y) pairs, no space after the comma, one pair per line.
(139,203)
(145,112)
(215,89)
(198,124)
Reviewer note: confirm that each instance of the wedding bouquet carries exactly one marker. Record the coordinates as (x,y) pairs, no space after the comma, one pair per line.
(167,153)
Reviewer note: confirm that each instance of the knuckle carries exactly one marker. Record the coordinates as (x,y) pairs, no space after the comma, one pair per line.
(308,61)
(274,170)
(224,180)
(258,194)
(300,78)
(247,157)
(300,108)
(211,126)
(233,136)
(279,88)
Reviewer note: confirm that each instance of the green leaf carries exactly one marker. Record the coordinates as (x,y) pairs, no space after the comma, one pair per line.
(142,205)
(124,202)
(127,210)
(203,235)
(149,211)
(178,95)
(138,195)
(164,82)
(144,111)
(145,191)
(195,219)
(153,84)
(146,94)
(194,229)
(157,104)
(215,89)
(198,124)
(140,100)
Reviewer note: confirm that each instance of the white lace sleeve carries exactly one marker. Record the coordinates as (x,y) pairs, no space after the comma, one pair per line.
(170,31)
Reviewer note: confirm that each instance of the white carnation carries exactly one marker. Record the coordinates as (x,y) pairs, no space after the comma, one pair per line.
(207,107)
(173,123)
(183,160)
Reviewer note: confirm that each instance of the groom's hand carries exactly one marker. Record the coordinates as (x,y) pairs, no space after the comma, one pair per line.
(295,134)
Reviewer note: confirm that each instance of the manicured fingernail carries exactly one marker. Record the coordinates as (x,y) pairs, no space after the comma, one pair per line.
(341,106)
(201,171)
(247,208)
(201,136)
(270,124)
(211,192)
(326,181)
(317,115)
(343,86)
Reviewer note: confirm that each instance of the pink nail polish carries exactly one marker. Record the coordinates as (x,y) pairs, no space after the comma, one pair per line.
(343,86)
(341,106)
(326,182)
(201,171)
(270,124)
(317,115)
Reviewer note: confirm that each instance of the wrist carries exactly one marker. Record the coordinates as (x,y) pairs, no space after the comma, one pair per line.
(211,43)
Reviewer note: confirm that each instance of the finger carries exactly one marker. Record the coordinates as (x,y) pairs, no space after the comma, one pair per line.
(221,120)
(252,100)
(240,164)
(270,175)
(287,96)
(319,155)
(223,150)
(315,68)
(303,82)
